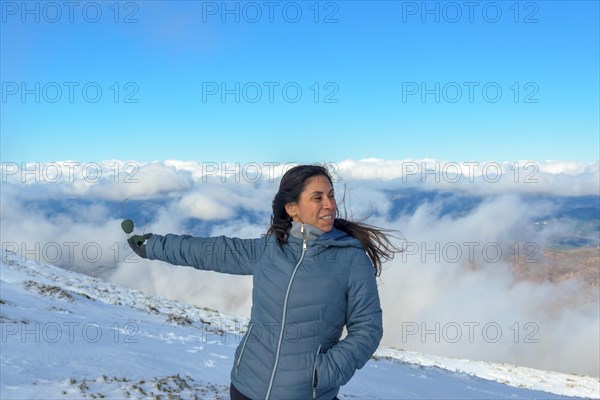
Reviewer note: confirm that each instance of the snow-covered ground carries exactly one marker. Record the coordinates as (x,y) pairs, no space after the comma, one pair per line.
(67,335)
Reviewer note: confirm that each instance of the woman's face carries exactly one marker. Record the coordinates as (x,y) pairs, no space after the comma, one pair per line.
(316,205)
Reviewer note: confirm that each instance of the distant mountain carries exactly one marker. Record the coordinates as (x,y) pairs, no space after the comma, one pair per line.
(582,211)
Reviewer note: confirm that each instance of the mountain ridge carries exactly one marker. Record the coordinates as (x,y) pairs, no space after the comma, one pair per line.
(96,339)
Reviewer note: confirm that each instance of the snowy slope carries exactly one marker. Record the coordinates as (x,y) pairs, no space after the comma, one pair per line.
(66,335)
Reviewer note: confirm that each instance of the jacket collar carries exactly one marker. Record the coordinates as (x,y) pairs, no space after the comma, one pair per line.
(311,231)
(334,237)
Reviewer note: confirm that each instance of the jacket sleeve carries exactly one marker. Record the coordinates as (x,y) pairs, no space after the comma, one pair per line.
(221,254)
(363,324)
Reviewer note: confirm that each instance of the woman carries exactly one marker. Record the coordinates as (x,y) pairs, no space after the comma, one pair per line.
(313,274)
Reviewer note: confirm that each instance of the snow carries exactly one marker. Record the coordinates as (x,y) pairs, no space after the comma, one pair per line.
(67,335)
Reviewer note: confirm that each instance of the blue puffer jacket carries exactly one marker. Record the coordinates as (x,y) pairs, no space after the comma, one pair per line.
(303,294)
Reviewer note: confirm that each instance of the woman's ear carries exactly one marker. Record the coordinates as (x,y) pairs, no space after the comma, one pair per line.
(291,209)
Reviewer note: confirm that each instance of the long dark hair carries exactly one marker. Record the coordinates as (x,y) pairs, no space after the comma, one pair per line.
(374,240)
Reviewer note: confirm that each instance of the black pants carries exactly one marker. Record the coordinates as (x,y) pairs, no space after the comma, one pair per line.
(236,395)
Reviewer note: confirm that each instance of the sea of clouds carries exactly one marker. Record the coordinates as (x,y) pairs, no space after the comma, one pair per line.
(452,292)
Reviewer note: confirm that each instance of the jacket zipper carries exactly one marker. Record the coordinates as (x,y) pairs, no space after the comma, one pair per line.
(287,293)
(239,360)
(314,374)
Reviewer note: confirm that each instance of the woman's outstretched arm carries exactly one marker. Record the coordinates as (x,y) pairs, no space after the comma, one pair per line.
(220,253)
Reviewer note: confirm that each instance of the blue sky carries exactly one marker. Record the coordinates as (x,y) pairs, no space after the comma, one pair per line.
(395,80)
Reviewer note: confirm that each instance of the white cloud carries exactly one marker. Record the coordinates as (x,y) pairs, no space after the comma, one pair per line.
(117,180)
(430,298)
(203,206)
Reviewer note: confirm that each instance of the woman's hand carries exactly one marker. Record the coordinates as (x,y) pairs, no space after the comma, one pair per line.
(138,244)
